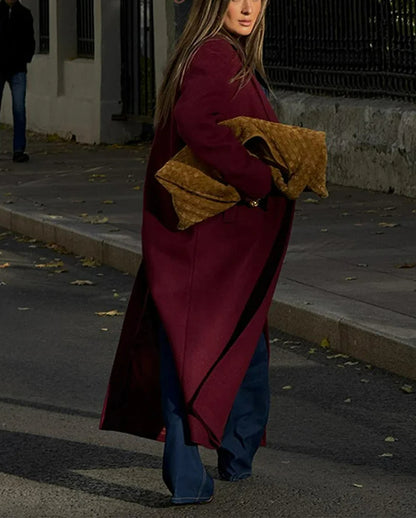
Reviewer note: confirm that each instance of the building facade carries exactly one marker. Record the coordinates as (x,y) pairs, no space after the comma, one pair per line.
(96,68)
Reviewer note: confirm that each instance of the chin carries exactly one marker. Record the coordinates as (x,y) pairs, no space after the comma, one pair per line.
(240,32)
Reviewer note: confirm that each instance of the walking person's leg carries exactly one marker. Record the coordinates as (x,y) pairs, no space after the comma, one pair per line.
(18,88)
(248,418)
(183,471)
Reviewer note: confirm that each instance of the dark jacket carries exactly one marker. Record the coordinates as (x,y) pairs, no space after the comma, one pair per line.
(212,284)
(17,42)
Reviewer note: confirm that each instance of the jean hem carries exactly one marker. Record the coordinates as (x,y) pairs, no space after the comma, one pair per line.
(190,500)
(235,478)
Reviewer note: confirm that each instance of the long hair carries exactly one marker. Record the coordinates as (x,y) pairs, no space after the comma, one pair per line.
(205,21)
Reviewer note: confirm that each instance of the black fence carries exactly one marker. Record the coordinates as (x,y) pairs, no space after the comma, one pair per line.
(85,28)
(44,26)
(137,59)
(344,47)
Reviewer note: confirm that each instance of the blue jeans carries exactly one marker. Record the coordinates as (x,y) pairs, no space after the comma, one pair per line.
(183,471)
(17,83)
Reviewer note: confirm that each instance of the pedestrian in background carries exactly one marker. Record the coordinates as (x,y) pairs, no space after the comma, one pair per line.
(198,311)
(17,46)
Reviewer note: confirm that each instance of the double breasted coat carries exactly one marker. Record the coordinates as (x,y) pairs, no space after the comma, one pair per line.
(210,286)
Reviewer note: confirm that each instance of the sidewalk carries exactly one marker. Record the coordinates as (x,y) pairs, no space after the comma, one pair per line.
(349,275)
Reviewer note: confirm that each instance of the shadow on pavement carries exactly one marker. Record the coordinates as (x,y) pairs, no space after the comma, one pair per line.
(348,414)
(54,461)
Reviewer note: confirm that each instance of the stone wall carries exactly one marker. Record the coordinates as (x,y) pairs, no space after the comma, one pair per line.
(371,142)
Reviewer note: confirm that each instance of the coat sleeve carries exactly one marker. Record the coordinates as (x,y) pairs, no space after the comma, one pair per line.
(205,96)
(30,43)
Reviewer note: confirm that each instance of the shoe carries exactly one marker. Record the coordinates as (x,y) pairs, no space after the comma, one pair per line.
(195,502)
(20,157)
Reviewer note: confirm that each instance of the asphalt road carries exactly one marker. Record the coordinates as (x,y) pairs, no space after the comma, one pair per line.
(341,437)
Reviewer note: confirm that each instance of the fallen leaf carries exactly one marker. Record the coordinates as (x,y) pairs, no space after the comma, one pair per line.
(2,283)
(53,137)
(389,455)
(136,188)
(112,313)
(325,343)
(116,295)
(274,340)
(80,282)
(54,216)
(390,208)
(406,265)
(338,355)
(362,265)
(312,350)
(104,329)
(287,387)
(371,211)
(348,400)
(390,438)
(358,485)
(115,146)
(311,200)
(384,224)
(364,380)
(351,363)
(4,265)
(98,178)
(350,278)
(324,230)
(25,239)
(108,202)
(52,264)
(23,309)
(96,220)
(90,262)
(407,389)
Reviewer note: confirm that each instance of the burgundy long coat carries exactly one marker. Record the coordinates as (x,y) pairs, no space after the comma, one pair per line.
(211,285)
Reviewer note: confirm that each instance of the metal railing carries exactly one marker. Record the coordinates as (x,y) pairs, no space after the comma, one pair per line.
(43,26)
(343,47)
(137,56)
(85,28)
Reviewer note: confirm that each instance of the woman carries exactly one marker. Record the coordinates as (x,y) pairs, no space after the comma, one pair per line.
(199,305)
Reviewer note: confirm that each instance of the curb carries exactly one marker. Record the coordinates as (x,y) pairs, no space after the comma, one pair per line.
(344,335)
(123,252)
